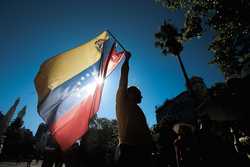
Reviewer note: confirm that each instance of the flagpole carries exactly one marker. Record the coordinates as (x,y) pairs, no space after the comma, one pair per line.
(117,41)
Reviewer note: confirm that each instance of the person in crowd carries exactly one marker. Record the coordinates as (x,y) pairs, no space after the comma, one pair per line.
(166,140)
(186,146)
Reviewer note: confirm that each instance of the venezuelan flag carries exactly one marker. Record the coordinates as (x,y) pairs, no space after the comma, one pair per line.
(69,87)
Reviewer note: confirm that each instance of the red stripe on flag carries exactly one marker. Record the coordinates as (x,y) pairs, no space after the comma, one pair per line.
(115,59)
(73,124)
(112,61)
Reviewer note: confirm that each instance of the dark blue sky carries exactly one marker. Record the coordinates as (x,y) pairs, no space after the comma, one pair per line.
(32,31)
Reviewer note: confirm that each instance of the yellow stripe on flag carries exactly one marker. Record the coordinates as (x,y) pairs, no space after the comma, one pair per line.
(56,70)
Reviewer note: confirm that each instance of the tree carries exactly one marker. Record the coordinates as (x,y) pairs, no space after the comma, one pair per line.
(4,122)
(100,142)
(170,41)
(228,20)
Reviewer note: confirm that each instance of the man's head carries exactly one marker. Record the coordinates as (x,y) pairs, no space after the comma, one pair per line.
(134,94)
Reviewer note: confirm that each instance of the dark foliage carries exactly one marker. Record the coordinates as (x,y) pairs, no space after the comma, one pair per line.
(228,20)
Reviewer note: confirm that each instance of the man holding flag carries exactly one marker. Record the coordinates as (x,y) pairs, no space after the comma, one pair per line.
(135,142)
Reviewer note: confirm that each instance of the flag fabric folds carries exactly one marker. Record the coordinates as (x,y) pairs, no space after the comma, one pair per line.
(69,87)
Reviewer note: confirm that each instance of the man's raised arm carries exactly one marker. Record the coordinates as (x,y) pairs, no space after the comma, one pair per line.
(123,84)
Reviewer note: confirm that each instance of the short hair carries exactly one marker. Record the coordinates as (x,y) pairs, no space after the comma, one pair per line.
(133,89)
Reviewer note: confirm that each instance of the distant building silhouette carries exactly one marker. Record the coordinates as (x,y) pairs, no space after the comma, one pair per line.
(179,108)
(217,102)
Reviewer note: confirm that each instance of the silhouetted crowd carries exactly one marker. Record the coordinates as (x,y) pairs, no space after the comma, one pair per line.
(174,145)
(185,145)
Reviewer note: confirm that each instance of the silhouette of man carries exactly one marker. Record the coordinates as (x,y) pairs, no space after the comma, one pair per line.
(134,135)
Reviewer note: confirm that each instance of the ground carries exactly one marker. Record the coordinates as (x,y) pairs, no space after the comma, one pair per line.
(20,164)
